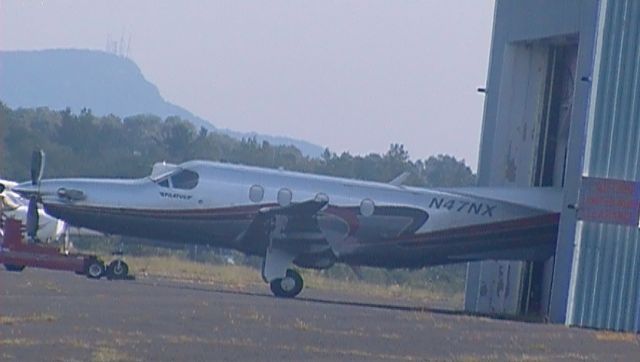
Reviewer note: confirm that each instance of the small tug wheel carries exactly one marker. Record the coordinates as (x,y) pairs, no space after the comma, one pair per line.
(117,269)
(95,269)
(289,286)
(14,268)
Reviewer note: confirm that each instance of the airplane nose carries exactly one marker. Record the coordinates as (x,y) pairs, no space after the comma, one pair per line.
(25,189)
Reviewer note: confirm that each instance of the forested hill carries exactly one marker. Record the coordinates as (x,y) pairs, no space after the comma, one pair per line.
(103,82)
(77,79)
(83,144)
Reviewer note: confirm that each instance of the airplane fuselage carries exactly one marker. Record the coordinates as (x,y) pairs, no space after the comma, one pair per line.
(363,223)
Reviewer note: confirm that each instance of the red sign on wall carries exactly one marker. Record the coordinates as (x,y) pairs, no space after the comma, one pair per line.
(609,201)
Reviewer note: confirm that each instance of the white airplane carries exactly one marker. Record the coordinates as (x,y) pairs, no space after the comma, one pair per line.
(14,206)
(307,220)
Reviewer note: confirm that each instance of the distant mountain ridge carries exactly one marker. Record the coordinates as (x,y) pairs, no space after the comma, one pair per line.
(104,82)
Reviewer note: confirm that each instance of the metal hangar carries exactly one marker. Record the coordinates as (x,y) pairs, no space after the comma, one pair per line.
(562,109)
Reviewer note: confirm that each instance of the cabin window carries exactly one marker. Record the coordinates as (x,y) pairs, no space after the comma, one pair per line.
(284,197)
(367,207)
(185,179)
(256,193)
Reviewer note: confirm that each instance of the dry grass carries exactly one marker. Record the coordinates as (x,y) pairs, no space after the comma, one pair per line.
(35,317)
(180,269)
(525,358)
(346,354)
(74,343)
(237,276)
(301,325)
(254,315)
(19,342)
(393,336)
(314,280)
(109,354)
(617,337)
(230,342)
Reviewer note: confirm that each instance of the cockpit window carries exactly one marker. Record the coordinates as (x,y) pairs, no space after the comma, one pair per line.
(164,183)
(185,179)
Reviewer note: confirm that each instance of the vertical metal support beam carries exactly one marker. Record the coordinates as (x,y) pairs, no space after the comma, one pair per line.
(472,286)
(575,157)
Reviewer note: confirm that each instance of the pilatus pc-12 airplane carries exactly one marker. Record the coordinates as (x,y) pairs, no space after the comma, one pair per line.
(306,220)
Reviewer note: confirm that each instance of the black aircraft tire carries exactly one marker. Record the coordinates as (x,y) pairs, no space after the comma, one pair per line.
(117,269)
(95,269)
(14,268)
(282,287)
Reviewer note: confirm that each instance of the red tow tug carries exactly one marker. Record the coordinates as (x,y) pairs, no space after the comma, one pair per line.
(16,254)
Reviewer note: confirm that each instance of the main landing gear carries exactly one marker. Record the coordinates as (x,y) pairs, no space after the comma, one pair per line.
(94,269)
(117,269)
(289,286)
(284,282)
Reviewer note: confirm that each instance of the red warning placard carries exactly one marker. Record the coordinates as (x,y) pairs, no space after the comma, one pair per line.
(609,201)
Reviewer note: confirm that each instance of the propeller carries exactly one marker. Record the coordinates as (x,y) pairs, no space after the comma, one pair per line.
(37,169)
(37,166)
(33,219)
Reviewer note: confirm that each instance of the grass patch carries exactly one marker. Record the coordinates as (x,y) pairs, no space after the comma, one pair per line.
(19,342)
(109,354)
(181,269)
(609,336)
(314,279)
(239,276)
(35,317)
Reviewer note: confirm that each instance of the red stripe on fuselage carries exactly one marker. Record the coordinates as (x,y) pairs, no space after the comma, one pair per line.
(477,231)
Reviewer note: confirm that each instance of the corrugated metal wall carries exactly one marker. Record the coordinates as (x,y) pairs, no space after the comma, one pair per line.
(605,286)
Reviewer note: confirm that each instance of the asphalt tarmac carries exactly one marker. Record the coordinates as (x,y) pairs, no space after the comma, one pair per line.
(58,316)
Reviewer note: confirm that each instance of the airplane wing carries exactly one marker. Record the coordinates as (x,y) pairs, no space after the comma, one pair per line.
(295,223)
(286,234)
(305,208)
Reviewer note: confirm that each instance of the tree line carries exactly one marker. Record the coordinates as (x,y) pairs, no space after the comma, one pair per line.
(84,144)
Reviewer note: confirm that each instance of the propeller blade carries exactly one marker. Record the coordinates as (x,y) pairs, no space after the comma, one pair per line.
(33,219)
(37,166)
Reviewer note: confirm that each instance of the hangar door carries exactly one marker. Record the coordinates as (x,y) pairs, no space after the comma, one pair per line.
(535,100)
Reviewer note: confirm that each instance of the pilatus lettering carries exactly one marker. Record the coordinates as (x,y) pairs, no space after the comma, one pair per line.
(171,195)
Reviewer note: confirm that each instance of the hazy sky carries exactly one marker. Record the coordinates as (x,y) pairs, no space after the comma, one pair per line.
(351,75)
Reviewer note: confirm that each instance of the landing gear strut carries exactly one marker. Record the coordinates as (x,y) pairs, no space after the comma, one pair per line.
(289,286)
